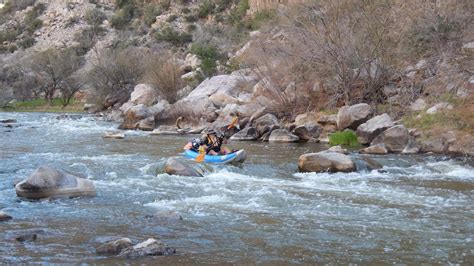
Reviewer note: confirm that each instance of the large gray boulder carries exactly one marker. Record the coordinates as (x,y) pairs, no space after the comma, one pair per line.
(395,138)
(143,94)
(326,161)
(133,115)
(373,127)
(150,247)
(248,133)
(353,116)
(307,132)
(283,135)
(47,182)
(184,167)
(114,247)
(264,123)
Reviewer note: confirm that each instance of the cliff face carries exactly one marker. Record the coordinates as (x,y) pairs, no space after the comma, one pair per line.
(259,5)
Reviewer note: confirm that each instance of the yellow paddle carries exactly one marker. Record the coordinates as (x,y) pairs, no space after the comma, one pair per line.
(202,153)
(234,122)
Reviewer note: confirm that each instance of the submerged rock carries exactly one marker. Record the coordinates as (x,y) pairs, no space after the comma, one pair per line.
(150,247)
(184,167)
(8,121)
(4,217)
(46,182)
(27,237)
(113,135)
(326,161)
(114,247)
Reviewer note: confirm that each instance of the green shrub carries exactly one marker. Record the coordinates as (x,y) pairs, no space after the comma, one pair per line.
(124,14)
(150,13)
(94,17)
(185,10)
(190,18)
(167,34)
(209,55)
(191,27)
(259,18)
(346,137)
(171,18)
(205,9)
(26,42)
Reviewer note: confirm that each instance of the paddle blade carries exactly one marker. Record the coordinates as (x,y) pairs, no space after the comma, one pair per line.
(234,122)
(200,157)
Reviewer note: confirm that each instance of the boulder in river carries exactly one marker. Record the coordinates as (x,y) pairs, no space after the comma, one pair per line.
(150,247)
(165,130)
(326,161)
(282,135)
(373,127)
(47,182)
(184,167)
(248,133)
(264,123)
(8,121)
(114,247)
(395,138)
(353,116)
(4,217)
(375,149)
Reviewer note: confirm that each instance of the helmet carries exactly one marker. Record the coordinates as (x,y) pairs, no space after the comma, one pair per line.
(196,142)
(211,132)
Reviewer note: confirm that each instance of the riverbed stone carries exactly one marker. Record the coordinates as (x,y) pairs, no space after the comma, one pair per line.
(133,115)
(302,133)
(338,149)
(114,247)
(367,131)
(165,130)
(264,123)
(184,167)
(353,116)
(47,182)
(114,135)
(27,237)
(150,247)
(326,161)
(248,133)
(375,149)
(147,124)
(8,121)
(395,138)
(283,135)
(4,216)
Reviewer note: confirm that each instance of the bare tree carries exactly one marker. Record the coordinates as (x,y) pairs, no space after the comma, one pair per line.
(114,75)
(164,73)
(52,69)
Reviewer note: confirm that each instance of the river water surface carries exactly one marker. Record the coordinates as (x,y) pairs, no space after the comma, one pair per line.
(417,209)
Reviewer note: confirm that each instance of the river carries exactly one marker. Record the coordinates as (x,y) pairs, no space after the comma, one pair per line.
(419,209)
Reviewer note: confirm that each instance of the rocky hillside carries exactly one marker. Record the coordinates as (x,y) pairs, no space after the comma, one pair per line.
(190,65)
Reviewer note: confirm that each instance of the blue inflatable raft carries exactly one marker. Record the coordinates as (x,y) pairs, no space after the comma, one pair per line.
(234,157)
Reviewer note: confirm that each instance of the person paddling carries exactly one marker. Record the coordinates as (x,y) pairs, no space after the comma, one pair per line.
(211,142)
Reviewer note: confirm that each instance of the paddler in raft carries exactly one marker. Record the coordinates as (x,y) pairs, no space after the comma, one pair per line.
(211,142)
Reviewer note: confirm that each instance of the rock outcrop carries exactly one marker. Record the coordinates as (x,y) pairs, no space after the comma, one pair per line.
(248,133)
(47,182)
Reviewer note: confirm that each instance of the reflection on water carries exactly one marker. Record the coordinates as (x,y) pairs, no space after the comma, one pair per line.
(419,209)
